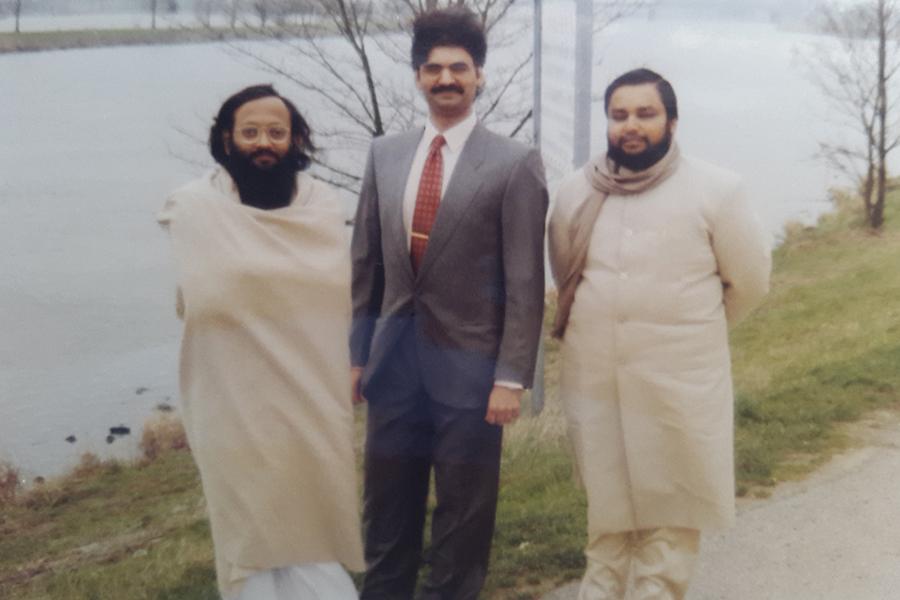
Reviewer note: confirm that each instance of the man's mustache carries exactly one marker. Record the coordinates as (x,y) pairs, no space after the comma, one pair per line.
(634,138)
(263,152)
(447,88)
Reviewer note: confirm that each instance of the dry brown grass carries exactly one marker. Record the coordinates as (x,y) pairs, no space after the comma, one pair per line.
(45,495)
(162,434)
(88,465)
(61,490)
(9,483)
(549,427)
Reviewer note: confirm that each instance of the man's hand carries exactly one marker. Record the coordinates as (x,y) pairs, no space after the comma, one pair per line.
(503,405)
(355,377)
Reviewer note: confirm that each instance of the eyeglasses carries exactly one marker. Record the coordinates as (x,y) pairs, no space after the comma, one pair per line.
(251,134)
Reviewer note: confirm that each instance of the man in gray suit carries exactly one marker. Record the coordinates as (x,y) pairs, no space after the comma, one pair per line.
(448,296)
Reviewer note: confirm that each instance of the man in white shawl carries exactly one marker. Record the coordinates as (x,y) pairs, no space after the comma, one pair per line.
(654,255)
(262,256)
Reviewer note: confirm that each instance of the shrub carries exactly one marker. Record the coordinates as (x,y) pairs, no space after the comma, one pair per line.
(9,483)
(46,495)
(162,434)
(89,464)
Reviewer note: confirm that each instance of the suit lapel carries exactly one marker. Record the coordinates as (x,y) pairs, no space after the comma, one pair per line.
(464,183)
(396,175)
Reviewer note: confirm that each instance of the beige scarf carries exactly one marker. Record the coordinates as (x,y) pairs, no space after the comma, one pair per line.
(606,178)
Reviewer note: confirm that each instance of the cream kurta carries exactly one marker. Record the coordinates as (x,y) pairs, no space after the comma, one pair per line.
(265,370)
(646,373)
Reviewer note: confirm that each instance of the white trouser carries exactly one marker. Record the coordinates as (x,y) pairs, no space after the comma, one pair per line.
(311,581)
(658,561)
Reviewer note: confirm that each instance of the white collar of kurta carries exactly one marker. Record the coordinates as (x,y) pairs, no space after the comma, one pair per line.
(456,136)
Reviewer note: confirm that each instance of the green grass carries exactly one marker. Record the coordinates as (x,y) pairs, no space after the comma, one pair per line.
(540,523)
(823,350)
(114,531)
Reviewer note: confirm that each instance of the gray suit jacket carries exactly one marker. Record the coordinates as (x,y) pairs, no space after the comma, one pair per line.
(474,310)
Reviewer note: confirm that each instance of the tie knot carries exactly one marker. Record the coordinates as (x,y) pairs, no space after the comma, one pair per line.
(437,143)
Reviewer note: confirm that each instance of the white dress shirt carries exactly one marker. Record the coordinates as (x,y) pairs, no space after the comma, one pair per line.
(455,138)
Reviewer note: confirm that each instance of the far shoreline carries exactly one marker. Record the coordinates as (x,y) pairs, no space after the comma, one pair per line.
(42,41)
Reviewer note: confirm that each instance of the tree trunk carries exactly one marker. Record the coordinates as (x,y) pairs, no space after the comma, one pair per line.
(877,216)
(373,94)
(17,8)
(868,187)
(262,10)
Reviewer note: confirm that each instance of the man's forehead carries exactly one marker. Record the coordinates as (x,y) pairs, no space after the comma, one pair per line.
(269,107)
(449,55)
(636,96)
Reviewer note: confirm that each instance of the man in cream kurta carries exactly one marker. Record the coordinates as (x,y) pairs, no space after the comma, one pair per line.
(262,255)
(655,254)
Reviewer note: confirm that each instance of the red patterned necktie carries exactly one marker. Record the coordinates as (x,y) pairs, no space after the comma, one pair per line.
(427,201)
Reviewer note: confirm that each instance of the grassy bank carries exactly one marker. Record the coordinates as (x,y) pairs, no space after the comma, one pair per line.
(822,351)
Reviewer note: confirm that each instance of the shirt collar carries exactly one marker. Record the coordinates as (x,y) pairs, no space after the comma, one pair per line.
(456,136)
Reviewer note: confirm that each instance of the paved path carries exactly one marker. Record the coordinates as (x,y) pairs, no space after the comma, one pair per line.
(833,536)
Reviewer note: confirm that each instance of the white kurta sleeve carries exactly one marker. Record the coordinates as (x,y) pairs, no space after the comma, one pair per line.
(743,253)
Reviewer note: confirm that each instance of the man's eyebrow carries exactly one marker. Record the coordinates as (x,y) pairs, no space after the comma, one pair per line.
(453,64)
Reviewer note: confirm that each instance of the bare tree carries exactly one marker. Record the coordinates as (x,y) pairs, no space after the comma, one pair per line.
(233,10)
(204,10)
(607,12)
(153,7)
(261,8)
(14,7)
(345,54)
(856,72)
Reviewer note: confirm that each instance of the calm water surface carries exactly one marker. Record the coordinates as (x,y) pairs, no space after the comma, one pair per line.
(93,143)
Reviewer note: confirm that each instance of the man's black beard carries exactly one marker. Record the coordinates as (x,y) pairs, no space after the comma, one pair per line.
(264,188)
(644,160)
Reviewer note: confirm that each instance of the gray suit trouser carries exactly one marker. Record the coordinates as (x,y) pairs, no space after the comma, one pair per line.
(408,436)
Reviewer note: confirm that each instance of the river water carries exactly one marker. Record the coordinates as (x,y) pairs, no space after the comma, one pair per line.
(95,139)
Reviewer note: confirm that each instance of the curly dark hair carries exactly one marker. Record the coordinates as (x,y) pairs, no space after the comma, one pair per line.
(224,122)
(457,26)
(639,77)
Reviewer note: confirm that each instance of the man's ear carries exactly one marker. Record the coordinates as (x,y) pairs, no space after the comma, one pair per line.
(480,81)
(226,142)
(418,80)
